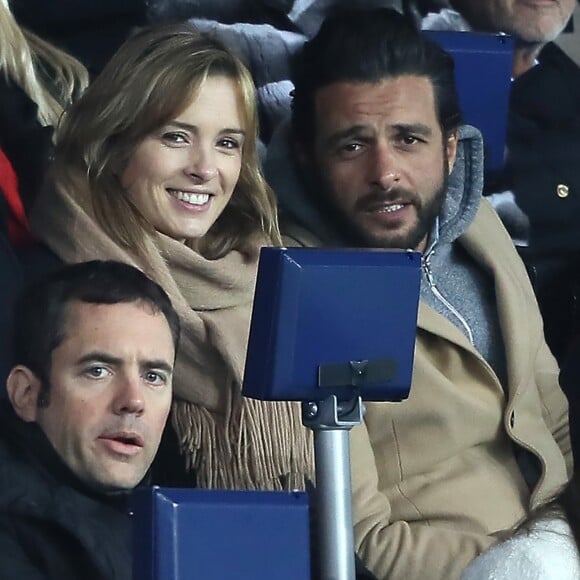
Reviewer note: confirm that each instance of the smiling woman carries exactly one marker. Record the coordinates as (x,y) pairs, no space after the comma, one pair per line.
(156,165)
(182,177)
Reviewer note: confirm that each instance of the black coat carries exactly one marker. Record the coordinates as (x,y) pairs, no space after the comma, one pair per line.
(10,284)
(544,151)
(543,171)
(25,142)
(51,527)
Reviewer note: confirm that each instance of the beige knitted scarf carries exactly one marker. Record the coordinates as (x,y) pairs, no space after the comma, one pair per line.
(228,441)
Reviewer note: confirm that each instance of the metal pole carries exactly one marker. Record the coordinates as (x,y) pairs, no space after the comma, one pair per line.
(333,504)
(331,423)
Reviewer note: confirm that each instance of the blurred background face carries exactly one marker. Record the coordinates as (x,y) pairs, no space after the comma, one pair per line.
(182,176)
(110,392)
(531,21)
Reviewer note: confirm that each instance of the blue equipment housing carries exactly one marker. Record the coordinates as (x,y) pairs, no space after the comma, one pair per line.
(483,70)
(333,321)
(189,534)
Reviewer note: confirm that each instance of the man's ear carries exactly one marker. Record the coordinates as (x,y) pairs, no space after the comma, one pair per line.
(451,147)
(23,388)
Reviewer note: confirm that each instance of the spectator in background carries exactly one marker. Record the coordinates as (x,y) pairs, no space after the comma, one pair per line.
(89,394)
(537,195)
(91,31)
(156,165)
(11,274)
(532,24)
(383,161)
(37,81)
(50,77)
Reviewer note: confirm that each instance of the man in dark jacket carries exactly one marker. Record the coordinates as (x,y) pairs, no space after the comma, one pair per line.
(532,24)
(89,394)
(536,193)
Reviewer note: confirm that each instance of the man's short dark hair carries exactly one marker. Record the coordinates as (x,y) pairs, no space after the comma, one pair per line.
(41,310)
(367,46)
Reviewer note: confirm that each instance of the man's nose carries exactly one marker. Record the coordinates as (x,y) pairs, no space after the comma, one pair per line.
(384,170)
(202,163)
(129,396)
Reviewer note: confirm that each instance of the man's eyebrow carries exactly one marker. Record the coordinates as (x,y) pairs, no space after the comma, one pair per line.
(343,134)
(157,364)
(193,129)
(414,128)
(356,130)
(99,356)
(107,358)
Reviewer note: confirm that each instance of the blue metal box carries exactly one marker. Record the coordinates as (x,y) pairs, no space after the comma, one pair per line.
(320,312)
(483,68)
(191,534)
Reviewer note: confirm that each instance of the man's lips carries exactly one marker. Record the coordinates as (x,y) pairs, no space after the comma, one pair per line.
(535,4)
(379,203)
(126,442)
(386,207)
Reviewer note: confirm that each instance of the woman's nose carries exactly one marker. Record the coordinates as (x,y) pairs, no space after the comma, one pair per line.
(202,164)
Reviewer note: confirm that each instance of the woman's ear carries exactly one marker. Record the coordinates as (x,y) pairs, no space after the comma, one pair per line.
(23,388)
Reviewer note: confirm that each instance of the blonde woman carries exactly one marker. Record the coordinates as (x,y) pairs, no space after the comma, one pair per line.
(37,81)
(156,165)
(47,75)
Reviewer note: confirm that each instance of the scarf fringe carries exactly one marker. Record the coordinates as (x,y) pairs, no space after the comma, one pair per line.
(240,443)
(261,446)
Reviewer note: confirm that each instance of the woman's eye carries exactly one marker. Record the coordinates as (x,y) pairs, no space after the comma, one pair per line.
(174,138)
(229,143)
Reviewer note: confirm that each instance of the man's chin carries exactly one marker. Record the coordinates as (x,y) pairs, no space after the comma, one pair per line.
(390,244)
(116,485)
(115,482)
(396,239)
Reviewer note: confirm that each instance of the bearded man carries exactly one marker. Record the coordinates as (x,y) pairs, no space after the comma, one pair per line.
(380,159)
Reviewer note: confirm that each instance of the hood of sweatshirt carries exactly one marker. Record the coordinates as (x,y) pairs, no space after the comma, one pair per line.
(297,205)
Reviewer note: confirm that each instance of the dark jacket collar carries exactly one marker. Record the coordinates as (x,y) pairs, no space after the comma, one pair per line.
(30,442)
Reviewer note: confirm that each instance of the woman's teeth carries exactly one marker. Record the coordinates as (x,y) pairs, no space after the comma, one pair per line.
(191,198)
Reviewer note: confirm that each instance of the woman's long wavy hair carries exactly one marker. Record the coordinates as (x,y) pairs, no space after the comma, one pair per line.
(49,76)
(151,79)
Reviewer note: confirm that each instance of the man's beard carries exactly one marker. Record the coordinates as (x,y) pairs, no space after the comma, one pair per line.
(356,235)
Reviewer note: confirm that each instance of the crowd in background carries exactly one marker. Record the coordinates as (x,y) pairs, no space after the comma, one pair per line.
(57,72)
